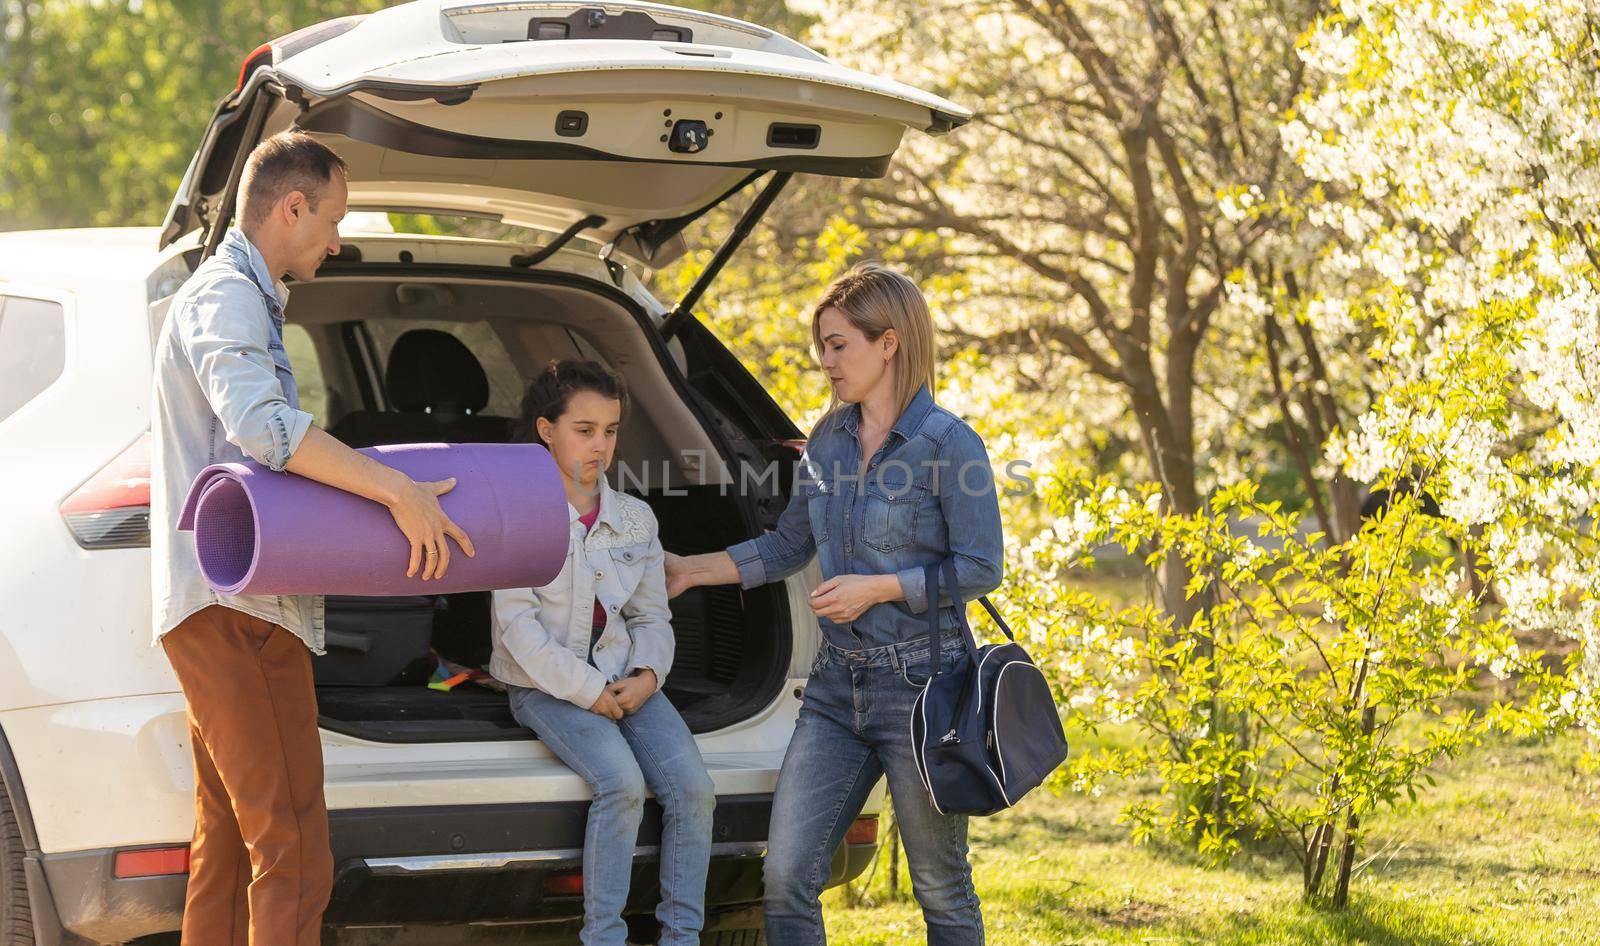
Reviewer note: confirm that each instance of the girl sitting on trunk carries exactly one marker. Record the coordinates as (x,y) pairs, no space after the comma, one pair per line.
(585,657)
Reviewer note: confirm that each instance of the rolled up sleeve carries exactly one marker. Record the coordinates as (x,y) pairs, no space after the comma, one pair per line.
(914,585)
(225,331)
(777,553)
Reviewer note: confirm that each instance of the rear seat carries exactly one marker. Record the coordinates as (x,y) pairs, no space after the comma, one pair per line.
(437,388)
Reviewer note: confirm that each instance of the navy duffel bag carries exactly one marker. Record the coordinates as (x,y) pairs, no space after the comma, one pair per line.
(986,733)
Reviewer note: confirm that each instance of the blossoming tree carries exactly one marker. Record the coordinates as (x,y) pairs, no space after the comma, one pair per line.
(1355,239)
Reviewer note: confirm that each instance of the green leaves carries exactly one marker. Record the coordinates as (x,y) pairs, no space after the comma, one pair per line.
(108,100)
(1318,683)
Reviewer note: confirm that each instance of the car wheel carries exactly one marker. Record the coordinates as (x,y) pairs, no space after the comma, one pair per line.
(16,919)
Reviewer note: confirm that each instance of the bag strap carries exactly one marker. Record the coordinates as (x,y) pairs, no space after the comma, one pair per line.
(930,582)
(931,579)
(933,602)
(949,569)
(1004,627)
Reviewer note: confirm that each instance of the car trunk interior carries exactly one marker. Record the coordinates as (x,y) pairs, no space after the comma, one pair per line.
(396,354)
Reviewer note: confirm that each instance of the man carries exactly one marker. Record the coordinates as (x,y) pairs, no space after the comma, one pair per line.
(260,868)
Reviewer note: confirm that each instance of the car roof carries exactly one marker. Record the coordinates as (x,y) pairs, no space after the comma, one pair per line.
(61,258)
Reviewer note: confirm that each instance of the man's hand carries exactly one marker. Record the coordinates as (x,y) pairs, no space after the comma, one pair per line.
(415,506)
(606,705)
(632,691)
(842,598)
(417,512)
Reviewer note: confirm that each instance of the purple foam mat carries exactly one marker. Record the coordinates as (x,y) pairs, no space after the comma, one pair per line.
(260,532)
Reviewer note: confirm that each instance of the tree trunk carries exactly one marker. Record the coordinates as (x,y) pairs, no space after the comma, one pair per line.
(1352,828)
(1347,856)
(1171,460)
(1317,853)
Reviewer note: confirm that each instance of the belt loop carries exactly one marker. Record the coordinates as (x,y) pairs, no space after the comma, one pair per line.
(894,659)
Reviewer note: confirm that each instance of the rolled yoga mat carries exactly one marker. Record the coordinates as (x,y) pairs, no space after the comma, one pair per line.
(260,532)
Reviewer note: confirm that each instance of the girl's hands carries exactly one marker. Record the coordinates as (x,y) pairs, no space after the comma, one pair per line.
(606,705)
(842,598)
(631,692)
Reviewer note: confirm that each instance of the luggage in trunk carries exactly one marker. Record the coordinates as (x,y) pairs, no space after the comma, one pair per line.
(377,641)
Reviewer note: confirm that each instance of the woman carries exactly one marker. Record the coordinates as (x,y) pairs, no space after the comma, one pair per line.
(585,656)
(892,483)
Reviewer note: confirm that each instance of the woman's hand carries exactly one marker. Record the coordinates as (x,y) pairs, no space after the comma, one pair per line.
(631,692)
(691,571)
(842,598)
(680,577)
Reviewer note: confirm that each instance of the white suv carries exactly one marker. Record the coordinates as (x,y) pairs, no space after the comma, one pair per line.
(607,128)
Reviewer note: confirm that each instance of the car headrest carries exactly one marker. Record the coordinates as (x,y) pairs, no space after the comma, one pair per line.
(432,370)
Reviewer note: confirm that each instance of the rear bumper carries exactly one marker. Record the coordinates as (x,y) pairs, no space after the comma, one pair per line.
(490,862)
(468,864)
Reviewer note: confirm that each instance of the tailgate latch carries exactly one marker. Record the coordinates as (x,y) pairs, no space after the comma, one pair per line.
(689,136)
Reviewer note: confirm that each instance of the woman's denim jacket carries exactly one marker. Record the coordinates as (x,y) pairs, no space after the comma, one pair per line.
(927,494)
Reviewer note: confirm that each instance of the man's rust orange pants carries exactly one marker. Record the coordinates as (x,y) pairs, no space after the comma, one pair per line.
(259,866)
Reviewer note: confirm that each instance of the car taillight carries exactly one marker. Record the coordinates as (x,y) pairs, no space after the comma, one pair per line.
(112,509)
(798,446)
(259,56)
(290,43)
(153,862)
(565,883)
(862,831)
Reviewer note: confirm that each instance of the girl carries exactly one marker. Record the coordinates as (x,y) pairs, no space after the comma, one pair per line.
(585,657)
(892,483)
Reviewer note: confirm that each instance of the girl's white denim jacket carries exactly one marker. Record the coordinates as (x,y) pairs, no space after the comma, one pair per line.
(541,635)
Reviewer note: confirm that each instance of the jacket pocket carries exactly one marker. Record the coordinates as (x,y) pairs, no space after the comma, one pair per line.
(889,521)
(627,566)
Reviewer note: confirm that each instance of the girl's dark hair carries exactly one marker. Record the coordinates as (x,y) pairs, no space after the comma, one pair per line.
(549,394)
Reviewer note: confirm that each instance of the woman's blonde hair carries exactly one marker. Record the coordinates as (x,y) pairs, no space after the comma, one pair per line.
(876,298)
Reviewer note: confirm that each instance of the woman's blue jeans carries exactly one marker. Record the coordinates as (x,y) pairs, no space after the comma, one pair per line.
(855,727)
(620,759)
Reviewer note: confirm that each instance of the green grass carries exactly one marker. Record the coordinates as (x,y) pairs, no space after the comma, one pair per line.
(1505,850)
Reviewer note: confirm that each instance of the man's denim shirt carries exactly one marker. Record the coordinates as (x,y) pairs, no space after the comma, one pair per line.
(927,494)
(224,392)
